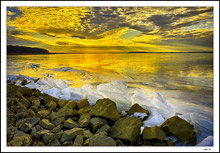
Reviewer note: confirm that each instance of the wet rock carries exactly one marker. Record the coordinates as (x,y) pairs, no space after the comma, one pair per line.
(82,103)
(179,128)
(58,128)
(78,140)
(55,143)
(137,108)
(71,134)
(127,129)
(58,121)
(84,120)
(105,108)
(43,114)
(97,122)
(20,139)
(69,123)
(84,110)
(49,137)
(153,133)
(46,124)
(101,140)
(104,128)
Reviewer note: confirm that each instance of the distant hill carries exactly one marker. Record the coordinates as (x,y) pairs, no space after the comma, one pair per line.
(22,50)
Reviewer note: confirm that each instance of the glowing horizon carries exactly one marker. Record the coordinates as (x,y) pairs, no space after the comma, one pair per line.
(111,29)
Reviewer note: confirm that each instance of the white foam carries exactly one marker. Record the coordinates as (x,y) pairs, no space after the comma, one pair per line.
(156,120)
(139,98)
(208,141)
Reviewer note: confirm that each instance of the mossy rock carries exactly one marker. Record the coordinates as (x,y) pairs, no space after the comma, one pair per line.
(137,108)
(105,108)
(179,128)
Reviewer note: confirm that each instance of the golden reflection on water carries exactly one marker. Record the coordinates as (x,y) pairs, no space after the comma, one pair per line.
(186,69)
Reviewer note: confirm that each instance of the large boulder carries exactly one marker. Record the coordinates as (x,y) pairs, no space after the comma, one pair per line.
(82,103)
(105,108)
(101,140)
(84,120)
(153,133)
(71,134)
(179,128)
(127,129)
(97,122)
(137,108)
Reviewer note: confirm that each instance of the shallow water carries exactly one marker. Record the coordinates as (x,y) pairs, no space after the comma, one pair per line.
(184,79)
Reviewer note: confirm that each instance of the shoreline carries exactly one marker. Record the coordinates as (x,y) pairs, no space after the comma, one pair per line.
(72,120)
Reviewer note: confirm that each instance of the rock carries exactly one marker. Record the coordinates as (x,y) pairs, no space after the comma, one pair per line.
(101,140)
(170,143)
(27,124)
(35,81)
(67,143)
(20,108)
(78,140)
(55,143)
(62,103)
(30,113)
(38,143)
(153,133)
(11,131)
(119,143)
(71,134)
(159,144)
(84,120)
(58,128)
(70,104)
(11,101)
(97,123)
(24,82)
(82,103)
(127,129)
(84,110)
(48,137)
(86,142)
(104,128)
(48,98)
(20,139)
(36,102)
(56,115)
(69,123)
(37,93)
(43,113)
(179,128)
(137,108)
(46,124)
(51,104)
(37,131)
(86,134)
(26,92)
(58,121)
(105,108)
(34,108)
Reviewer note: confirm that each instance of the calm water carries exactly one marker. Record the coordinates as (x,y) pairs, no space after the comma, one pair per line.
(182,78)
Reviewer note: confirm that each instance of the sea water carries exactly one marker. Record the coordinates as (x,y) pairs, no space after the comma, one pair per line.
(180,82)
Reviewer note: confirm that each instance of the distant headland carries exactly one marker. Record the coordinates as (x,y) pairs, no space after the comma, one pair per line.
(22,50)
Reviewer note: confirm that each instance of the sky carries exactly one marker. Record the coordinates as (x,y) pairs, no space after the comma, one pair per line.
(111,29)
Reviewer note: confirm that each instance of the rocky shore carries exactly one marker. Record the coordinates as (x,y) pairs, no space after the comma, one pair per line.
(36,119)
